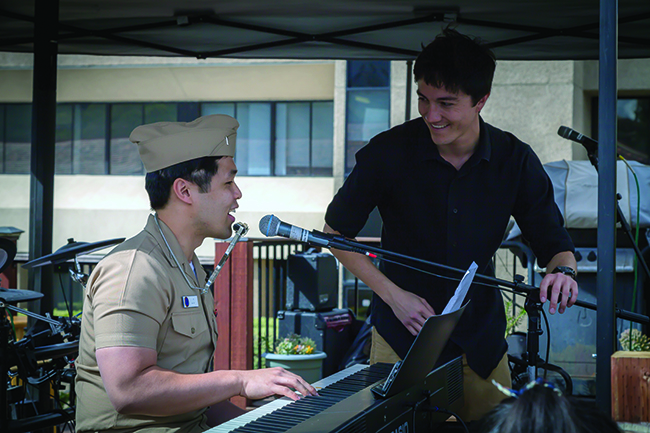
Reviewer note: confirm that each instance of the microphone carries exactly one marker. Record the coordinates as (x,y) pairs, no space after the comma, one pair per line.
(589,143)
(270,225)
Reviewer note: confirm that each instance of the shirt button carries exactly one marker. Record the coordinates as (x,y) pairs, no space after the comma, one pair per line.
(193,330)
(455,211)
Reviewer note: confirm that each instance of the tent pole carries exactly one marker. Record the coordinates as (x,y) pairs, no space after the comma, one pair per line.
(42,150)
(606,238)
(409,90)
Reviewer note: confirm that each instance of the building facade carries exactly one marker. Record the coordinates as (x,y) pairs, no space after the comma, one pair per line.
(301,122)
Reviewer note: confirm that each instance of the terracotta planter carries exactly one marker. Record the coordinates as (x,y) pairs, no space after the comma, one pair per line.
(309,367)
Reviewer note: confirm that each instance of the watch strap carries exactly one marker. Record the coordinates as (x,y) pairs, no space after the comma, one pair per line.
(566,270)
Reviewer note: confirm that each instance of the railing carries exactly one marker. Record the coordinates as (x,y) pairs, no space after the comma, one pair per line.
(270,283)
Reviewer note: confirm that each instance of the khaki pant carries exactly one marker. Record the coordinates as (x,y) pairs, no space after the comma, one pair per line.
(480,394)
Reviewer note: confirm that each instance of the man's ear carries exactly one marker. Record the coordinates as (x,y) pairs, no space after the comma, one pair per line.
(481,102)
(182,191)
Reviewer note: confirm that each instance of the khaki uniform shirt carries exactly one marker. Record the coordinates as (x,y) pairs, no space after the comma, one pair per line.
(136,296)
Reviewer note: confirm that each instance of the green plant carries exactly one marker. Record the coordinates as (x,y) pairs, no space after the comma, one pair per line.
(295,345)
(57,312)
(512,321)
(260,325)
(634,341)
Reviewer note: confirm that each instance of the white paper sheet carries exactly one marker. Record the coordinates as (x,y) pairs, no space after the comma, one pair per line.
(456,301)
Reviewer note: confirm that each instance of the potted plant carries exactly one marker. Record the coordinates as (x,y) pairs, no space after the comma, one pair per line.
(298,355)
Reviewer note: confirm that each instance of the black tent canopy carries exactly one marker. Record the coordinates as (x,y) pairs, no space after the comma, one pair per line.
(334,29)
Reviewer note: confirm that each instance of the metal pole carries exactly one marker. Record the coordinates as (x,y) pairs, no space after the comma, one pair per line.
(409,81)
(606,238)
(46,18)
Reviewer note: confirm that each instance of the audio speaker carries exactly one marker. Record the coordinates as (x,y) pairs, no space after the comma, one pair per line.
(312,283)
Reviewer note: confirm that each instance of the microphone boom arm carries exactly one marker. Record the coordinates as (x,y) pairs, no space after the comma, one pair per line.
(516,286)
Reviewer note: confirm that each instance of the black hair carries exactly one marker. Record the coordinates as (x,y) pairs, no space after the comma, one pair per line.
(199,171)
(457,62)
(542,410)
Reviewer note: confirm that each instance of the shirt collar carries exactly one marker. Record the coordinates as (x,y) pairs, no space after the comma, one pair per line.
(152,229)
(427,151)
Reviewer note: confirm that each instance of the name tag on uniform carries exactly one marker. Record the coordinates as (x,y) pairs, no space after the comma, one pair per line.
(190,301)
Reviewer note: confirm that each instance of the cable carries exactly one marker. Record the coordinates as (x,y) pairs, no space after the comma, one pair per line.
(444,277)
(548,341)
(415,406)
(65,298)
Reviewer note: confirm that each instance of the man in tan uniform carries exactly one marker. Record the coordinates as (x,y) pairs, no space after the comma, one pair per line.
(149,332)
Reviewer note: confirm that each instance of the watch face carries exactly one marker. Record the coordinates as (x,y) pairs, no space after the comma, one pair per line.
(565,270)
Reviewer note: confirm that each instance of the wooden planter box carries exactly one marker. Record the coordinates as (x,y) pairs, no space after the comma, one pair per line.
(631,387)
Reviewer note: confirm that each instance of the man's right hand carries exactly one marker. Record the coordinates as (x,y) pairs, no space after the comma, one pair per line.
(257,384)
(410,309)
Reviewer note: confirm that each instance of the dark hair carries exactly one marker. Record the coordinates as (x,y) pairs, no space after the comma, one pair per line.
(199,171)
(543,410)
(457,63)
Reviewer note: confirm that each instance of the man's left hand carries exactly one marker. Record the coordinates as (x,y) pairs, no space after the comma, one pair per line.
(558,284)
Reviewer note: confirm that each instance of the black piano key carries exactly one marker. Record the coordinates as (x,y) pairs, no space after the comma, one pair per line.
(278,425)
(294,413)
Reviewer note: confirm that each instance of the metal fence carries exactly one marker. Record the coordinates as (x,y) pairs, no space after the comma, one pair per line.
(270,282)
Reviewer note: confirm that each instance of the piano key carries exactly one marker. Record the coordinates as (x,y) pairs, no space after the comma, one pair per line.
(273,406)
(347,409)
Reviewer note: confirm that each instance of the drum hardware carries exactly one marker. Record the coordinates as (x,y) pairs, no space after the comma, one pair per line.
(29,313)
(70,251)
(8,296)
(7,253)
(14,393)
(43,355)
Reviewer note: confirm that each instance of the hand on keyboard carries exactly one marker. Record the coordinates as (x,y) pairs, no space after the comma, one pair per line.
(257,384)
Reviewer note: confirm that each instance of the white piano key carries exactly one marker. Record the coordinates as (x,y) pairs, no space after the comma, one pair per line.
(254,414)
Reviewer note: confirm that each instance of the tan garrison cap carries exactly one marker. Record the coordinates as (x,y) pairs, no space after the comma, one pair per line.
(164,144)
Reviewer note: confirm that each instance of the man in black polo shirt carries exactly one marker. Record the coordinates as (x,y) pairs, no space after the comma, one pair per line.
(446,185)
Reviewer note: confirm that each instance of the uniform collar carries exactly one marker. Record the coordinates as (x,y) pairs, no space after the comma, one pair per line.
(175,246)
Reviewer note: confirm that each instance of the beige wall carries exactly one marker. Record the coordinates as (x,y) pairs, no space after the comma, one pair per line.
(532,100)
(196,83)
(96,208)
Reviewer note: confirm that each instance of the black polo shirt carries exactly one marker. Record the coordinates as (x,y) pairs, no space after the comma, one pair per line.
(434,212)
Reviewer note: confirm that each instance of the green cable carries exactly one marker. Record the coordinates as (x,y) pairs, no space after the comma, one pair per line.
(13,328)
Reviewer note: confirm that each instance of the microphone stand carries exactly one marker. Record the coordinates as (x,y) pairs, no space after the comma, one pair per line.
(593,158)
(532,305)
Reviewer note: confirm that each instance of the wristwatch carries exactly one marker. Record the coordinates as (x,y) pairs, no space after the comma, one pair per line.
(565,270)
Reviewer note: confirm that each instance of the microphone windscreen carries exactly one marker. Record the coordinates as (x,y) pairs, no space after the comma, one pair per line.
(269,225)
(564,131)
